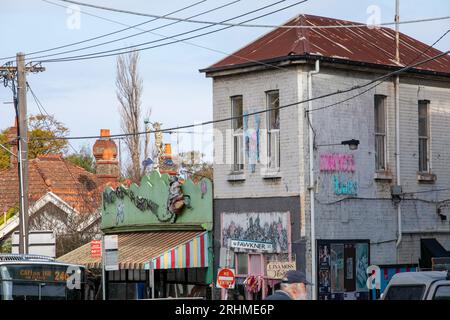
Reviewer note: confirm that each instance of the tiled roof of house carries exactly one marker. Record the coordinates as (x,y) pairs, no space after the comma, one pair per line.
(360,45)
(51,173)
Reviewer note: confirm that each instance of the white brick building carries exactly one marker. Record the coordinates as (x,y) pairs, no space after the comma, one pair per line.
(356,213)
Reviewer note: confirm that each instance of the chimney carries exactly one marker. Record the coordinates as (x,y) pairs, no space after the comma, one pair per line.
(12,139)
(105,153)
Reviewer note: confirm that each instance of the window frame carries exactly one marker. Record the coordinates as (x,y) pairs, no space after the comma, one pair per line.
(275,132)
(426,138)
(237,134)
(377,134)
(437,288)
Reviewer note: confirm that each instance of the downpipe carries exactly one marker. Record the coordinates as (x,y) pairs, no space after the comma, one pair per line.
(312,184)
(397,157)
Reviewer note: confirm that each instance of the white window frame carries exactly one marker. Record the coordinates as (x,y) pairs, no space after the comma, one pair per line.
(273,136)
(426,138)
(380,135)
(237,138)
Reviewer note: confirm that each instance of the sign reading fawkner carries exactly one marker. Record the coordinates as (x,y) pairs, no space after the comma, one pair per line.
(251,245)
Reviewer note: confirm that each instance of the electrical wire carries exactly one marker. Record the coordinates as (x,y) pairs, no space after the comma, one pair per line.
(107,34)
(359,25)
(186,42)
(107,53)
(338,92)
(136,34)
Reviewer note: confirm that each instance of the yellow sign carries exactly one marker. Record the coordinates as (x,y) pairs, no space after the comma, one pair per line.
(277,269)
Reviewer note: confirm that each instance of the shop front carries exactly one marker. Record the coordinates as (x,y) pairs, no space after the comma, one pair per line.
(250,243)
(342,269)
(163,227)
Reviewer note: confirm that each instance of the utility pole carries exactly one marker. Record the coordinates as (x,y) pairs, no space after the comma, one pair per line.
(9,74)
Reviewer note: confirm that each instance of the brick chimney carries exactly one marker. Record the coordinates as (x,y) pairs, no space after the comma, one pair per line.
(105,153)
(12,138)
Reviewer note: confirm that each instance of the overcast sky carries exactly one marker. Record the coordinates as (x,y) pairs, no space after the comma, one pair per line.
(82,94)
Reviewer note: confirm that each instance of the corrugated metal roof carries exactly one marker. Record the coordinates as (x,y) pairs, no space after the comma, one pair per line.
(360,44)
(135,249)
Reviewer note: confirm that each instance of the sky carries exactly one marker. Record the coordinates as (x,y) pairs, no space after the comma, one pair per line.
(82,94)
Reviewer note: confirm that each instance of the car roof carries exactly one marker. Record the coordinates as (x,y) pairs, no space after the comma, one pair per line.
(422,277)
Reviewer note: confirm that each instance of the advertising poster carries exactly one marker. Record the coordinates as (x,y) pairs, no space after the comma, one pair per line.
(337,268)
(324,269)
(362,262)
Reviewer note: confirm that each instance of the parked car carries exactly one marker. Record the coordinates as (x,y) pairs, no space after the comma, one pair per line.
(423,285)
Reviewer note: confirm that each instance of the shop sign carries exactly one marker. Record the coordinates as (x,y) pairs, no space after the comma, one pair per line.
(225,278)
(96,249)
(278,269)
(111,252)
(252,245)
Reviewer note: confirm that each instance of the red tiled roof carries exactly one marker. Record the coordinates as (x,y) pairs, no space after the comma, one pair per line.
(51,173)
(361,44)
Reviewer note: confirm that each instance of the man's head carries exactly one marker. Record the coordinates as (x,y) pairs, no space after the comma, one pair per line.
(295,283)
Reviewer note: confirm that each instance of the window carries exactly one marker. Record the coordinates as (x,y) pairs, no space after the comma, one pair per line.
(413,292)
(424,136)
(237,131)
(442,293)
(273,129)
(380,133)
(242,263)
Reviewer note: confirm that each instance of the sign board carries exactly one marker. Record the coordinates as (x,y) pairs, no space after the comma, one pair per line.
(111,242)
(111,258)
(251,245)
(278,269)
(96,248)
(440,264)
(39,242)
(225,278)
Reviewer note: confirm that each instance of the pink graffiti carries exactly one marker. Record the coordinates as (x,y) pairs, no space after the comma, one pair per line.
(331,162)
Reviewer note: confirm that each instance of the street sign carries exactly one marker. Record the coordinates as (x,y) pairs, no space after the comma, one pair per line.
(278,269)
(251,245)
(111,252)
(225,278)
(96,248)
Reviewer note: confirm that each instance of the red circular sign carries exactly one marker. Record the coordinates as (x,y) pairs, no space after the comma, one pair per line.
(225,278)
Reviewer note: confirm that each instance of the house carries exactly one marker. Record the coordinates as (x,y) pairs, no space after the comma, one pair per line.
(373,205)
(62,197)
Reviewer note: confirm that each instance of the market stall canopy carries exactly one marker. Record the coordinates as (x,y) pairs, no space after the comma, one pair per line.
(138,248)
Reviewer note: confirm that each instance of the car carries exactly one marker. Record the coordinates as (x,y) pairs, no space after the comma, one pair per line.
(421,285)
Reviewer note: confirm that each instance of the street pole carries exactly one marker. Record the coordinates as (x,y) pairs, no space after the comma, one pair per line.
(22,134)
(103,268)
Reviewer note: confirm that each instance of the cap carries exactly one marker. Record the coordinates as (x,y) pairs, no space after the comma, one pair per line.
(295,276)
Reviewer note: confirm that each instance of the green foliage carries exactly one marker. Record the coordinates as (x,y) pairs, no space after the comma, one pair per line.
(6,246)
(83,159)
(39,126)
(11,212)
(4,156)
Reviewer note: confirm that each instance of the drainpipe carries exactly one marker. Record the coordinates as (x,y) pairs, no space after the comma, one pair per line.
(397,120)
(312,186)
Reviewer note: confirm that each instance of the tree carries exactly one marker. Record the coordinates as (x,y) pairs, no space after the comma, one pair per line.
(192,162)
(83,159)
(129,92)
(39,126)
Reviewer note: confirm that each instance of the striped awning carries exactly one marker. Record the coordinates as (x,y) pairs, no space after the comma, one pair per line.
(136,249)
(191,254)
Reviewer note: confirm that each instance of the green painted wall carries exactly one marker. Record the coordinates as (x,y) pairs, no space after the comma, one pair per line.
(121,214)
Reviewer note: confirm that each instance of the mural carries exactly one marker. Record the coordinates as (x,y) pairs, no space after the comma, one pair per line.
(159,200)
(270,227)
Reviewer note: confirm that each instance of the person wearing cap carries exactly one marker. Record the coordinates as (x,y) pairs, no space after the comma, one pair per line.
(293,287)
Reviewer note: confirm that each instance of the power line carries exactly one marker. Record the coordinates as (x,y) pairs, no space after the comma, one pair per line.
(41,107)
(249,25)
(338,92)
(137,34)
(185,42)
(103,35)
(107,53)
